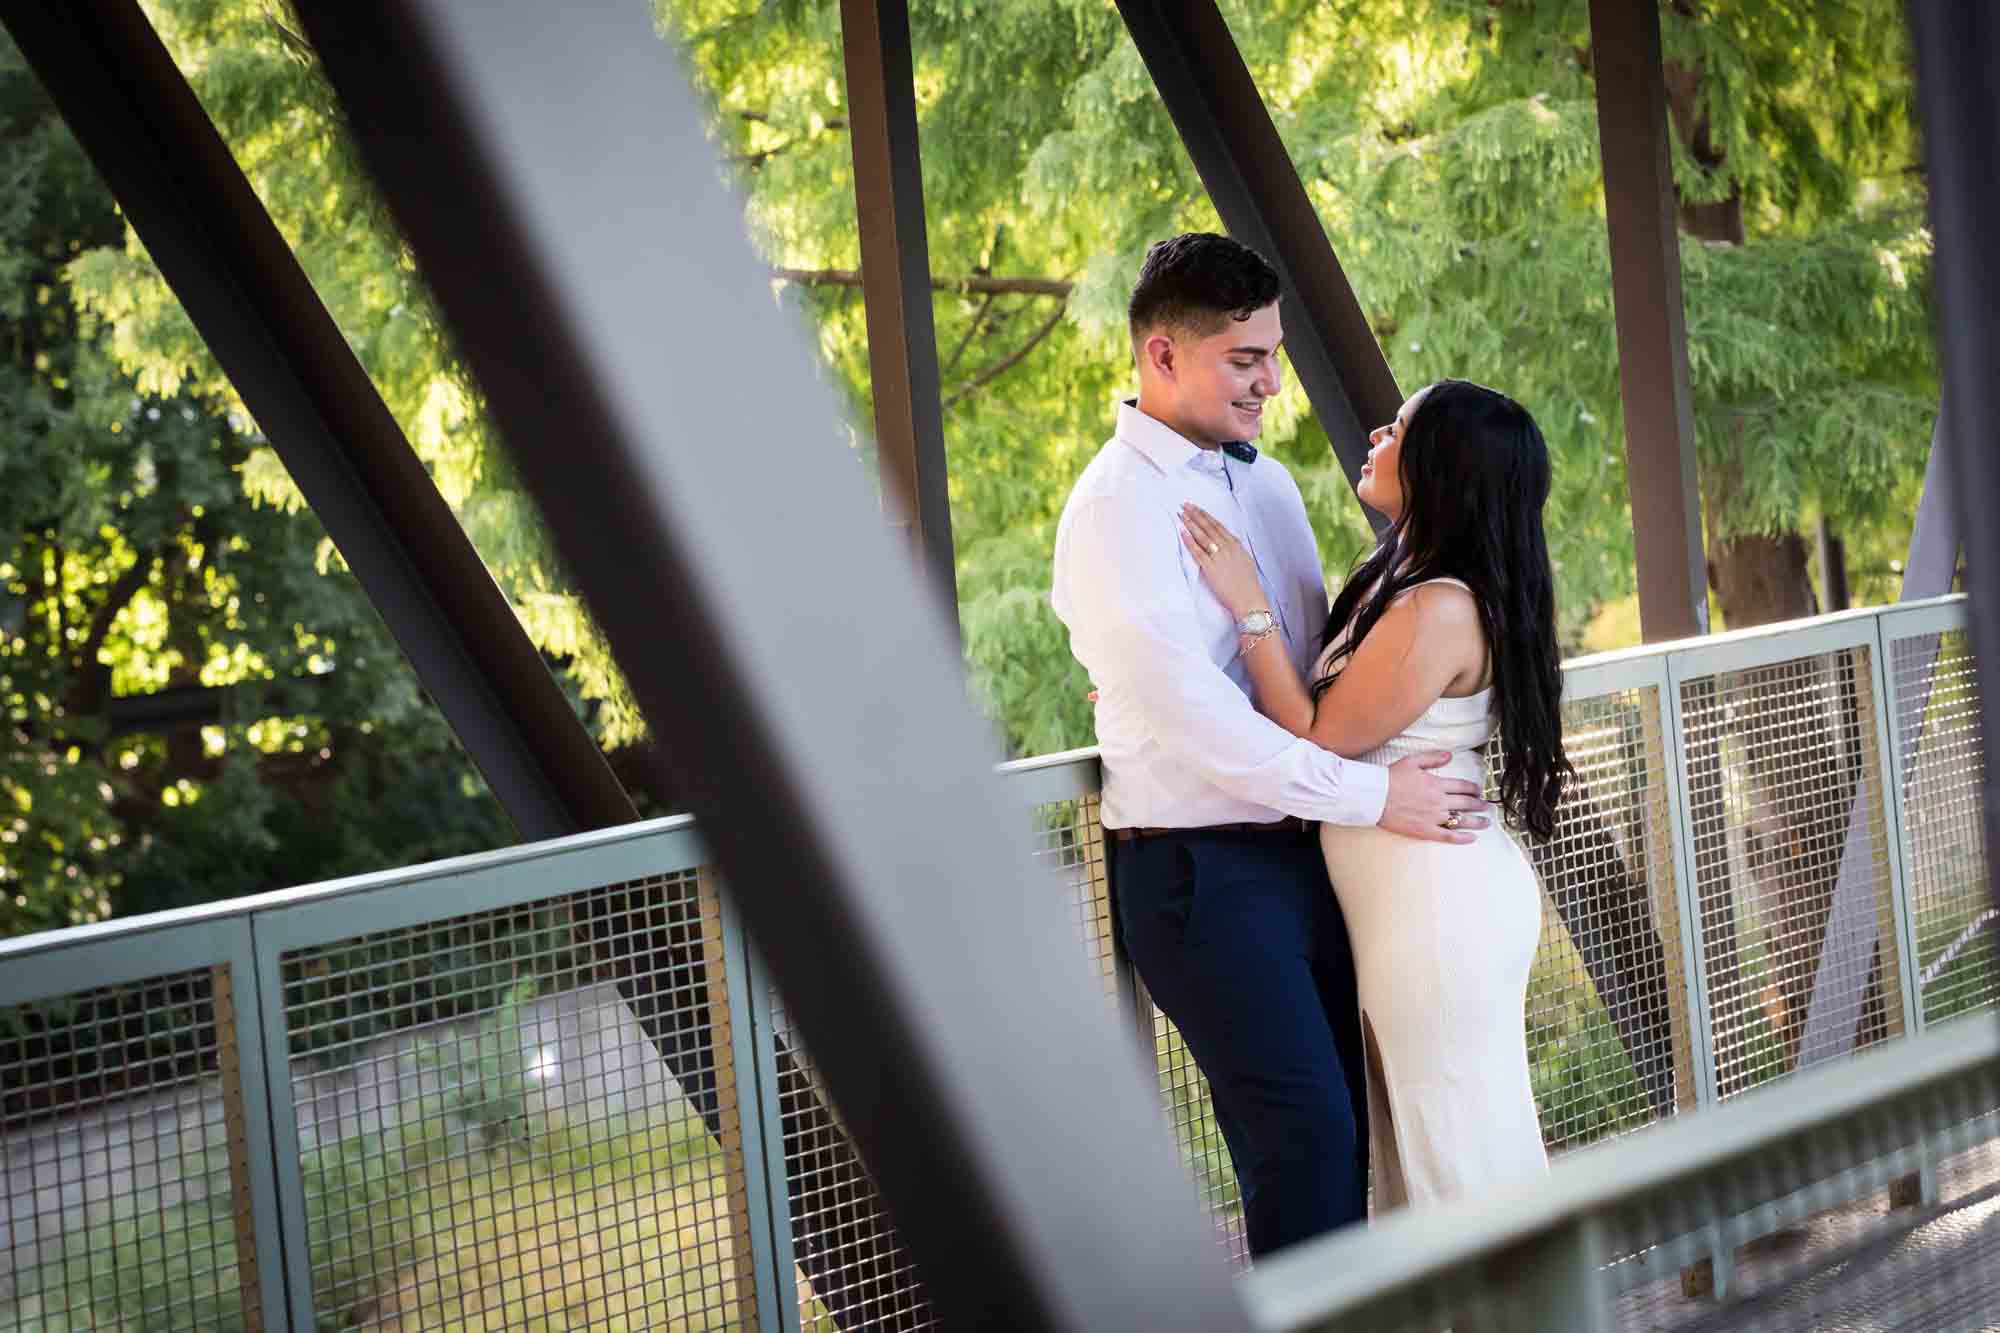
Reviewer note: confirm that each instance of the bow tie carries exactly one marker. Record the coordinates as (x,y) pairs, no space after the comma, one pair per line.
(1240,451)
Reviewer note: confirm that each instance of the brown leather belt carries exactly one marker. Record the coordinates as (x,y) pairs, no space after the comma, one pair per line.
(1291,826)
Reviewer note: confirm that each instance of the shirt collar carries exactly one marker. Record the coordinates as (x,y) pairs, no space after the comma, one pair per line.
(1167,449)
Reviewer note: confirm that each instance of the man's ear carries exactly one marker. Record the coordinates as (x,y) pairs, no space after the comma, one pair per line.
(1158,354)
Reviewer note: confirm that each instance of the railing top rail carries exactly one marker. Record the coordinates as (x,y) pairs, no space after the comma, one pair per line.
(1082,757)
(1048,777)
(1318,1280)
(1755,632)
(671,826)
(1063,776)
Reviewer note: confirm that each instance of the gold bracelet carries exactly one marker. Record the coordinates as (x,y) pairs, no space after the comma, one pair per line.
(1245,642)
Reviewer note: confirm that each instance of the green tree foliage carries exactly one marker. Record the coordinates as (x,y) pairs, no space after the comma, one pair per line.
(1450,146)
(138,555)
(257,78)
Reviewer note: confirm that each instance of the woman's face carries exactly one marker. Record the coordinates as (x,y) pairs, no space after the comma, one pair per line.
(1381,485)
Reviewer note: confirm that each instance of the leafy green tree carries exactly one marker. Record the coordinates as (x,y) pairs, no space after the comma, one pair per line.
(1450,146)
(136,564)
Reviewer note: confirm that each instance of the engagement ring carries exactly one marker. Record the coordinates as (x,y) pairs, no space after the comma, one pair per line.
(1452,820)
(1213,548)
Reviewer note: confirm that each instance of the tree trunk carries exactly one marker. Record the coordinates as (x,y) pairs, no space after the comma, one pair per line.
(1760,580)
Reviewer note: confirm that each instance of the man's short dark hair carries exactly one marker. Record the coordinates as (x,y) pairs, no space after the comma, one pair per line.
(1198,281)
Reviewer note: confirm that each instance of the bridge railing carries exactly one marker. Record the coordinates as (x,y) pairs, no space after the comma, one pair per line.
(554,1082)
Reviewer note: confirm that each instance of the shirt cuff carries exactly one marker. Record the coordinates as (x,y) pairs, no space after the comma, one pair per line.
(1365,792)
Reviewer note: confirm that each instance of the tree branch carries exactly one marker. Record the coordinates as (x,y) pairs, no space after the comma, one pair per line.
(1012,359)
(759,158)
(972,329)
(764,118)
(971,282)
(289,38)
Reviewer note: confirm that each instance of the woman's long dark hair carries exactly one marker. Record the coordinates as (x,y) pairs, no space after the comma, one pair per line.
(1475,474)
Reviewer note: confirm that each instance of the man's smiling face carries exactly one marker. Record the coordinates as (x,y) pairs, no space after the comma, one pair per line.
(1224,379)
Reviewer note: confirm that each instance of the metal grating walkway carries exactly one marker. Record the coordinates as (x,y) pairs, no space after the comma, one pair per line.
(1861,1268)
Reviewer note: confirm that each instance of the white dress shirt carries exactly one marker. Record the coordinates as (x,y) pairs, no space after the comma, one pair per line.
(1183,744)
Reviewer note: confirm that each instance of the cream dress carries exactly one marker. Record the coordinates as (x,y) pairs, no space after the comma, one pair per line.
(1443,938)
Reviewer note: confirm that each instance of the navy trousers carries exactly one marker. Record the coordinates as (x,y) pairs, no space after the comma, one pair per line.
(1240,941)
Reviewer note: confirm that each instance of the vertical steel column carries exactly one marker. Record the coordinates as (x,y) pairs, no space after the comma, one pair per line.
(251,1090)
(1652,325)
(1688,793)
(1192,56)
(1957,48)
(1887,770)
(827,748)
(737,1134)
(124,99)
(896,278)
(229,1071)
(754,1054)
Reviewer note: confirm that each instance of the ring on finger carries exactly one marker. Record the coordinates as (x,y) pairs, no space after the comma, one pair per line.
(1213,548)
(1454,819)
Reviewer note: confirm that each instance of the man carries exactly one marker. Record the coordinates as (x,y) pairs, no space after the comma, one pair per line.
(1219,887)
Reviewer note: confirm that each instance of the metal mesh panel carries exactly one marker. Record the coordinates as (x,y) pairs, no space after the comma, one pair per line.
(122,1148)
(491,1133)
(1787,812)
(1609,1043)
(1944,842)
(1192,1116)
(1069,837)
(854,1270)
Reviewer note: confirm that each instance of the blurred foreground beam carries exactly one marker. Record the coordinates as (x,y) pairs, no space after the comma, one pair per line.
(1639,215)
(806,689)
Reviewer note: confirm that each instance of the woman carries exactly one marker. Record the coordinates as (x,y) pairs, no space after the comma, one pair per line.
(1444,636)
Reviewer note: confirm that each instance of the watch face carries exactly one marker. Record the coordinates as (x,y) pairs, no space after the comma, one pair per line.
(1257,622)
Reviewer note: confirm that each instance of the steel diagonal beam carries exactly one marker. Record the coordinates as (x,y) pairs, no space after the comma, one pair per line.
(1192,56)
(896,277)
(806,689)
(1957,48)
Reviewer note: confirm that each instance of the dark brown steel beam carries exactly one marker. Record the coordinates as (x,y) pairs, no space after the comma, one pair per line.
(1192,56)
(124,99)
(896,279)
(1652,324)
